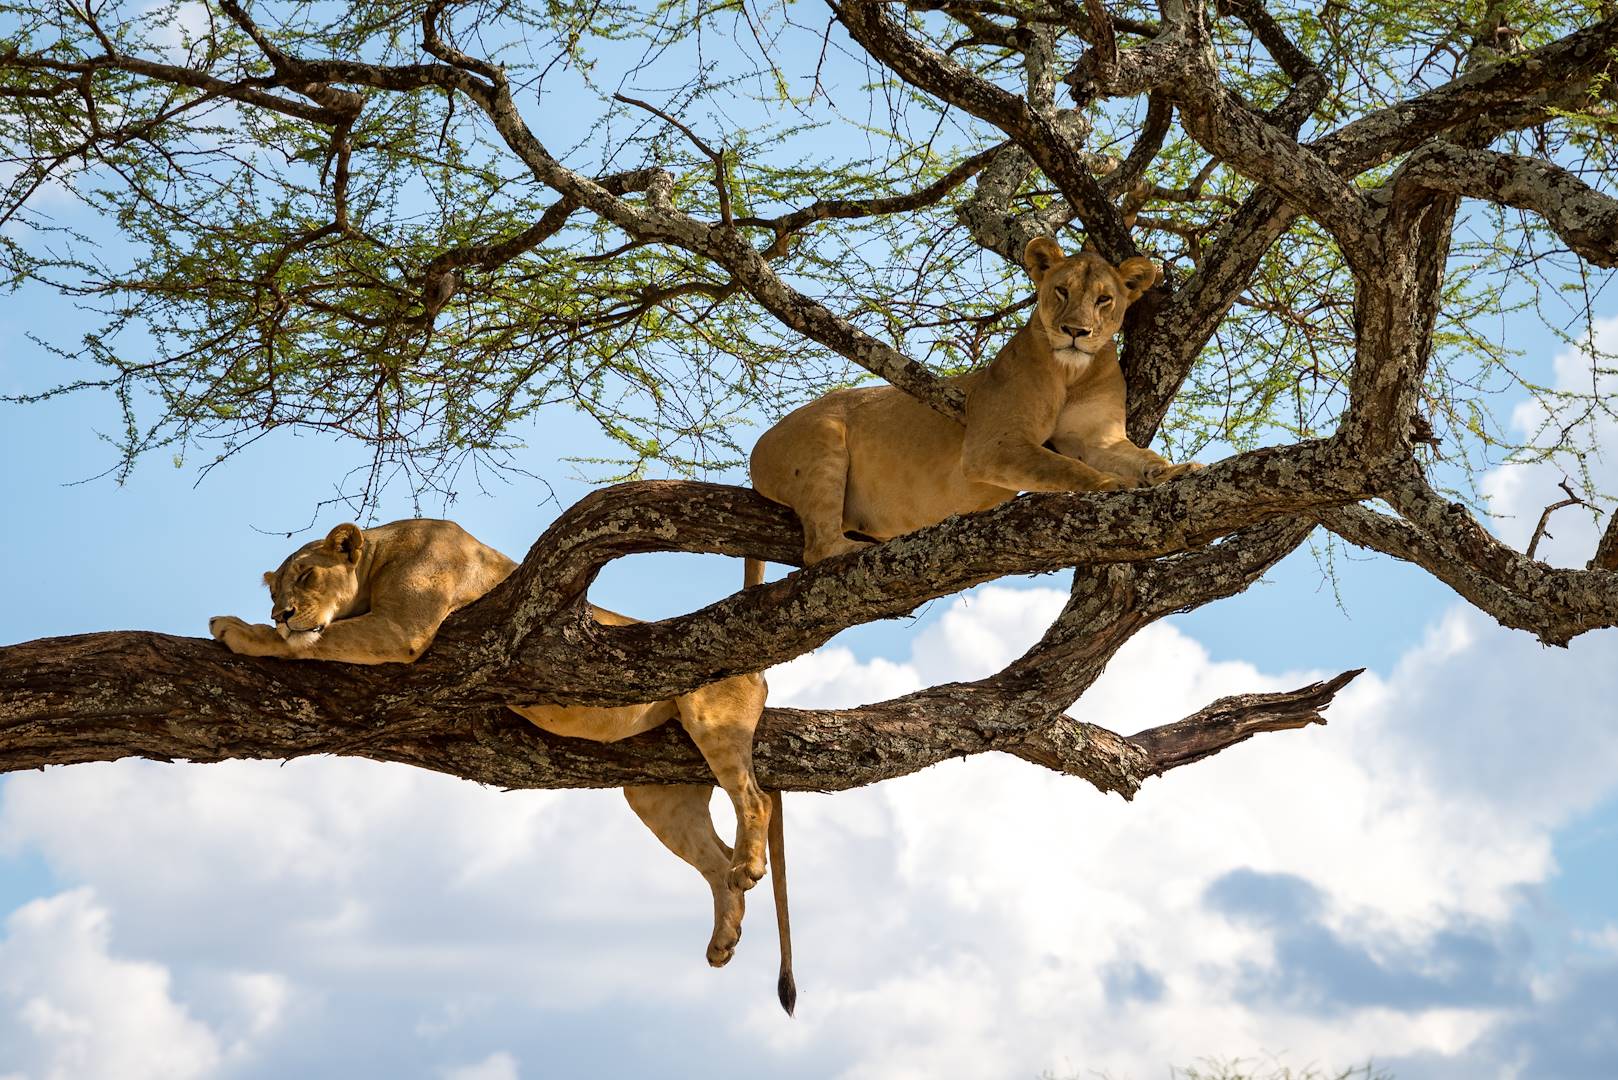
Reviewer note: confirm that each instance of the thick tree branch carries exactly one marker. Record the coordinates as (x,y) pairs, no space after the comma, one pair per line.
(163,697)
(1572,61)
(774,622)
(1268,154)
(168,699)
(1237,717)
(1585,219)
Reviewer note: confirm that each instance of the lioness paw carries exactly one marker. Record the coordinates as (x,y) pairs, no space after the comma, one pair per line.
(220,624)
(1162,474)
(722,946)
(245,638)
(744,875)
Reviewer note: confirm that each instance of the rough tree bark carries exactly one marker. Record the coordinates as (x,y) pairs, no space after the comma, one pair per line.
(1137,556)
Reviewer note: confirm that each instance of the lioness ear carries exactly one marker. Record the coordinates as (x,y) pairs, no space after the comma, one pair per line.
(346,540)
(1040,255)
(269,579)
(1138,274)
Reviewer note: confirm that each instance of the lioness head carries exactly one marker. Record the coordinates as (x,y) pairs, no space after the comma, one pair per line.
(316,585)
(1082,298)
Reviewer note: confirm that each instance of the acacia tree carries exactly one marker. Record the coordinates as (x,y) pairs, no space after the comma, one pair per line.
(400,222)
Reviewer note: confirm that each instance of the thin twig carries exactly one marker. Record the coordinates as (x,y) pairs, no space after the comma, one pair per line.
(718,158)
(1545,516)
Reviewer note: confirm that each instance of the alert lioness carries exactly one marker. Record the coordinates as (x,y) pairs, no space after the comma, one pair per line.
(1047,414)
(378,596)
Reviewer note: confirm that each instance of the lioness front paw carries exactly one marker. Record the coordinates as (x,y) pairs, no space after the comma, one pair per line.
(219,625)
(245,638)
(1113,483)
(1162,474)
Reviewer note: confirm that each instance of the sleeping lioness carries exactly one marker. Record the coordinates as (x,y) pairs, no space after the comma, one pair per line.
(378,596)
(1047,414)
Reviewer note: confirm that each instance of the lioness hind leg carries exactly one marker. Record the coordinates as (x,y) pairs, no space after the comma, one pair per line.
(811,477)
(720,719)
(678,816)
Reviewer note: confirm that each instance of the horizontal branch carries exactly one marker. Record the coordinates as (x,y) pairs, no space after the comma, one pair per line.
(775,622)
(248,718)
(1233,719)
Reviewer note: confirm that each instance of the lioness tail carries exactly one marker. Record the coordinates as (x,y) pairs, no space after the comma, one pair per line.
(785,987)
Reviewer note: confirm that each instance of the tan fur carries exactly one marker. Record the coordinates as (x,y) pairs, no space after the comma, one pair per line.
(378,596)
(1047,414)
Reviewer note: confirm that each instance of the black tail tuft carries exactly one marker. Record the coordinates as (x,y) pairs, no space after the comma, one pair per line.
(787,990)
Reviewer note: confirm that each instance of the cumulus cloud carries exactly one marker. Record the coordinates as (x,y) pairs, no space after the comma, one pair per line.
(1329,895)
(71,1010)
(497,1066)
(1335,894)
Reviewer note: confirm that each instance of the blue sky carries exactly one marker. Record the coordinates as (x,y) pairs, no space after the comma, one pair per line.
(1428,882)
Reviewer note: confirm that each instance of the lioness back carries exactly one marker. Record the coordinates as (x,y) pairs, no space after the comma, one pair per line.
(900,460)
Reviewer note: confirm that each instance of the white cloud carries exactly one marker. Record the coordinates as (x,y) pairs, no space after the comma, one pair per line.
(69,1009)
(497,1066)
(1079,929)
(1331,894)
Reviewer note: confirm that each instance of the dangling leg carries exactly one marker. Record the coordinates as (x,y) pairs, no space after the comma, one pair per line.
(678,815)
(720,719)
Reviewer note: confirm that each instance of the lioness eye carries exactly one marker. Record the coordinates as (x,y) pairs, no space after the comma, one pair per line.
(1103,300)
(303,578)
(1061,294)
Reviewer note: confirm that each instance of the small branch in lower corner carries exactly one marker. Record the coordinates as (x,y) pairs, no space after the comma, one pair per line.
(1235,719)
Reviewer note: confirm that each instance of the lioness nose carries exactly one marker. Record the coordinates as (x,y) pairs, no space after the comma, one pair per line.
(286,614)
(1076,331)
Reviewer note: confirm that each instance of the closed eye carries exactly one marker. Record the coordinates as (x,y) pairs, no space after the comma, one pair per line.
(1103,301)
(1061,293)
(303,578)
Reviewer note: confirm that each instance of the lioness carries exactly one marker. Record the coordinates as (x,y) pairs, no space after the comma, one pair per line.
(378,596)
(1047,414)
